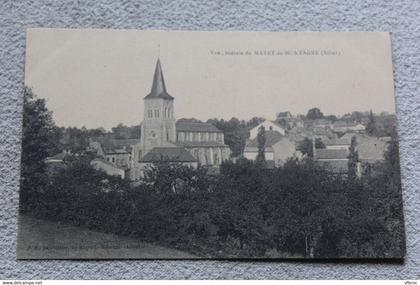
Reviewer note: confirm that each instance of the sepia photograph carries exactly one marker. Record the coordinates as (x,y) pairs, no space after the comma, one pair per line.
(209,145)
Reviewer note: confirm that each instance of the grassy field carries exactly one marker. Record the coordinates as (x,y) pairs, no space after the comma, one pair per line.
(39,239)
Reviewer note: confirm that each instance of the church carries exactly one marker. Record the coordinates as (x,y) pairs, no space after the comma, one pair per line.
(189,142)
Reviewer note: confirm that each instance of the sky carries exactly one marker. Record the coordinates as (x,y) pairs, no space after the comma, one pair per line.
(98,78)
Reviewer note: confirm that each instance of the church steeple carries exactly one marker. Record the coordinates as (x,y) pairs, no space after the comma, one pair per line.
(158,86)
(158,128)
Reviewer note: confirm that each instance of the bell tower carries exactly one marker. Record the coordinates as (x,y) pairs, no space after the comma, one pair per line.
(158,126)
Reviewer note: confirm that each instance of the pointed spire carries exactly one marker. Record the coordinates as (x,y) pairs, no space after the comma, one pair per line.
(158,86)
(158,80)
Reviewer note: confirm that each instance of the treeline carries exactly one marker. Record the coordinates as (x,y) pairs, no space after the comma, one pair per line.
(76,140)
(298,210)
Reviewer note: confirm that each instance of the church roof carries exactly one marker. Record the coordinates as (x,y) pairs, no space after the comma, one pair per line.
(170,154)
(200,144)
(158,86)
(185,126)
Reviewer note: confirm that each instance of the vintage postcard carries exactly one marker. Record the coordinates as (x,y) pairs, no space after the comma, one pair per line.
(190,145)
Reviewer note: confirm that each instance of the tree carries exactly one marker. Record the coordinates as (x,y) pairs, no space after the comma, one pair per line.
(235,133)
(371,126)
(357,116)
(255,121)
(190,120)
(392,160)
(319,143)
(331,118)
(314,114)
(282,122)
(353,160)
(261,145)
(306,146)
(40,139)
(74,139)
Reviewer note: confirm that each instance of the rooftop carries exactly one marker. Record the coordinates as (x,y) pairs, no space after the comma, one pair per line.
(187,126)
(370,148)
(109,163)
(170,154)
(200,144)
(331,153)
(338,141)
(272,137)
(276,123)
(111,145)
(345,124)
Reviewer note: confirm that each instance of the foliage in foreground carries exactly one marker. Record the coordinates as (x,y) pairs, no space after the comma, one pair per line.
(299,209)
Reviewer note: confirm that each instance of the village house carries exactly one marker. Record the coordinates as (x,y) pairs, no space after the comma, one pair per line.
(344,126)
(110,168)
(337,143)
(298,134)
(268,126)
(55,163)
(370,150)
(115,151)
(322,123)
(278,148)
(335,160)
